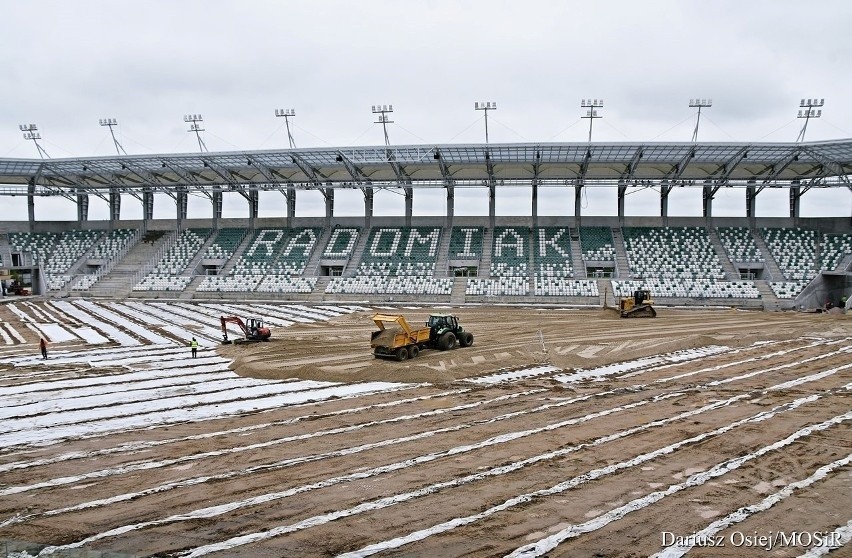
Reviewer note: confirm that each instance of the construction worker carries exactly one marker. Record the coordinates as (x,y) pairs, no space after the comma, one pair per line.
(42,344)
(194,345)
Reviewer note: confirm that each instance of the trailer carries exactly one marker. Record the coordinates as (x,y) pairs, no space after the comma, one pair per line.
(442,332)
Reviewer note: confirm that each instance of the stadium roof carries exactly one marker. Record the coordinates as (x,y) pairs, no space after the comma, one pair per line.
(826,163)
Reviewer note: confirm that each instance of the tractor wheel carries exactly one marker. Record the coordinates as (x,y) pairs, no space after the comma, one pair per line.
(447,341)
(413,351)
(466,339)
(401,354)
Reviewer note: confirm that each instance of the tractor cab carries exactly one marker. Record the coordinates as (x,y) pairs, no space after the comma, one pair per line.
(439,324)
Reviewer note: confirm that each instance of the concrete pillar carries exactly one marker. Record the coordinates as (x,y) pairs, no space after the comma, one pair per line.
(181,200)
(795,203)
(147,208)
(31,203)
(216,200)
(254,206)
(578,204)
(492,205)
(368,207)
(708,202)
(535,203)
(751,205)
(409,204)
(451,205)
(82,207)
(329,206)
(622,193)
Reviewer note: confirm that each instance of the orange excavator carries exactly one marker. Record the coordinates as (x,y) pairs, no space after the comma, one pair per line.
(253,329)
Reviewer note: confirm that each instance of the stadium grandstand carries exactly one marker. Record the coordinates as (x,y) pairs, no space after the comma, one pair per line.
(577,259)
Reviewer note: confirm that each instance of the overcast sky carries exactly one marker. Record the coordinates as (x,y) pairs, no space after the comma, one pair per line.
(147,63)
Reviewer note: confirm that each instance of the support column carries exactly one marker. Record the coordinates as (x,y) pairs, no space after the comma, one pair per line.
(451,206)
(664,204)
(181,200)
(409,204)
(329,206)
(82,207)
(795,203)
(31,203)
(578,204)
(147,208)
(535,203)
(622,193)
(114,207)
(254,206)
(751,205)
(216,200)
(492,205)
(368,207)
(708,202)
(291,205)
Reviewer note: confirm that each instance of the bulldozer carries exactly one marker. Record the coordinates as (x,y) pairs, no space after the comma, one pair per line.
(442,332)
(253,329)
(640,305)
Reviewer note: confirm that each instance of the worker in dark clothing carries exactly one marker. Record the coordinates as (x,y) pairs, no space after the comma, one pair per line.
(194,346)
(42,344)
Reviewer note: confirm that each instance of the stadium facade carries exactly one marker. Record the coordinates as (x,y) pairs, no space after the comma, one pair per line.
(756,262)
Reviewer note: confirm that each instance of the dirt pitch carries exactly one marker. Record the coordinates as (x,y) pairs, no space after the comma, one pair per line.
(560,432)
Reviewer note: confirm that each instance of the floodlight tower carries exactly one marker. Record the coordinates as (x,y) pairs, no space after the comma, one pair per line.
(592,105)
(112,122)
(287,113)
(485,106)
(196,127)
(700,104)
(31,133)
(382,111)
(809,105)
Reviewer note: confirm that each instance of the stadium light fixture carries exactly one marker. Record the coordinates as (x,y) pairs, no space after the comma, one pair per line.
(286,114)
(700,104)
(485,106)
(194,126)
(31,133)
(110,122)
(383,119)
(811,110)
(592,113)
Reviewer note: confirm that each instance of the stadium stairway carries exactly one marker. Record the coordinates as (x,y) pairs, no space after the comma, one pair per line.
(311,267)
(238,253)
(120,280)
(622,269)
(845,263)
(457,296)
(357,253)
(577,255)
(318,294)
(606,294)
(767,295)
(189,291)
(444,254)
(487,248)
(731,273)
(196,259)
(769,263)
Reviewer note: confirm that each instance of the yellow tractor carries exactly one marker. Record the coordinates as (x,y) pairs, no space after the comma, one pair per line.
(442,332)
(640,305)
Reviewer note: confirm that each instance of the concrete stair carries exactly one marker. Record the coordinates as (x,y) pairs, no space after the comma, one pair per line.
(357,253)
(457,296)
(120,280)
(313,262)
(767,295)
(731,273)
(622,268)
(769,264)
(196,259)
(238,253)
(444,253)
(485,260)
(845,263)
(189,291)
(577,255)
(318,294)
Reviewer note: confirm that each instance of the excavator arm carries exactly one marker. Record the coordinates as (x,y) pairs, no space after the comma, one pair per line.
(232,320)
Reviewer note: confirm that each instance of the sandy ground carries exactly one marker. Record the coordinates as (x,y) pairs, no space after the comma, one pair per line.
(600,467)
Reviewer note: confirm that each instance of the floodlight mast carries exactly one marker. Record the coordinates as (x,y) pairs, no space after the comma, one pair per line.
(112,122)
(382,111)
(485,106)
(809,105)
(196,127)
(31,133)
(699,103)
(287,113)
(592,105)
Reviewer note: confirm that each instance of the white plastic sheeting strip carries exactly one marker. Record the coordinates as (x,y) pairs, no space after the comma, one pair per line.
(110,331)
(838,538)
